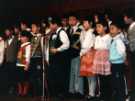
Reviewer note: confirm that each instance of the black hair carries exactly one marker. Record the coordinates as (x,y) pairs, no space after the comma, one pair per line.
(2,35)
(65,16)
(26,34)
(103,22)
(87,18)
(129,13)
(36,23)
(119,23)
(73,14)
(24,23)
(10,29)
(16,26)
(56,20)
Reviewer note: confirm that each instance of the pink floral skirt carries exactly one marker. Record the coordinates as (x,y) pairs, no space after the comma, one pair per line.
(101,64)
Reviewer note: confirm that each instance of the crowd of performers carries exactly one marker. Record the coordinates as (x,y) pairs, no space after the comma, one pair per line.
(87,57)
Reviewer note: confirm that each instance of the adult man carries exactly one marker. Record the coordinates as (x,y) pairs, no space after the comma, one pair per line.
(129,19)
(11,50)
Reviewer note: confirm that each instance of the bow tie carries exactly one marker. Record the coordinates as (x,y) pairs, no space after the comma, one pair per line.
(55,33)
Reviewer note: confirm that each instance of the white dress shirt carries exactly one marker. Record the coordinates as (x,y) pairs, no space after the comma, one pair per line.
(10,40)
(64,39)
(76,27)
(102,42)
(87,39)
(27,51)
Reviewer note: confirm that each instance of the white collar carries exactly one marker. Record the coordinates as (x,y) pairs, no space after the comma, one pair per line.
(58,29)
(26,43)
(117,36)
(89,30)
(106,35)
(76,25)
(36,35)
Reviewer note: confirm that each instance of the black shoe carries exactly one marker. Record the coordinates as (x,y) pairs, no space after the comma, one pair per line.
(61,96)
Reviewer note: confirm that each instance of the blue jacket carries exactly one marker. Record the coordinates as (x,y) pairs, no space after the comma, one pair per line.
(117,50)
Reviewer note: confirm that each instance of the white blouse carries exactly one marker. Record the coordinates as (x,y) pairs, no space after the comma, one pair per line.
(27,51)
(87,39)
(2,49)
(102,42)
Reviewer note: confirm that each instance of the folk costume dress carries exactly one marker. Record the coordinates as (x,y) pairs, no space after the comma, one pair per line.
(101,64)
(23,58)
(87,39)
(102,67)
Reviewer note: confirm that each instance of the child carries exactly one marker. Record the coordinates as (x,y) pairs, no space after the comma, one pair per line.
(75,82)
(36,60)
(58,67)
(117,59)
(87,39)
(101,64)
(23,61)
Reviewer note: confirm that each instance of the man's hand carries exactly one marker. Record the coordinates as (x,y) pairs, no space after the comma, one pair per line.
(53,50)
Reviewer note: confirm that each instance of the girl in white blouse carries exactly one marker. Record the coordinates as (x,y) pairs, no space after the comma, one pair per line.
(101,64)
(102,45)
(87,39)
(23,61)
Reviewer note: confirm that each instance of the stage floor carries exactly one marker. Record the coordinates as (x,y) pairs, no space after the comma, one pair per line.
(7,98)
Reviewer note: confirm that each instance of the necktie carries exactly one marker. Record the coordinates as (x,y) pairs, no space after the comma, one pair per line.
(112,41)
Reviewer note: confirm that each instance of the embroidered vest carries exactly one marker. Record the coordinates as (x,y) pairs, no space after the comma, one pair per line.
(36,46)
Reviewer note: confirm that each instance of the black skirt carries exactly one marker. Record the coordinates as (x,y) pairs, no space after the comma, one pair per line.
(21,74)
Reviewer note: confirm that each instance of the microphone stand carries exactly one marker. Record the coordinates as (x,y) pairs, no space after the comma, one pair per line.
(45,66)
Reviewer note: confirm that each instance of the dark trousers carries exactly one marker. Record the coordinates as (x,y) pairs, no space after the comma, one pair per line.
(57,75)
(35,72)
(105,87)
(118,82)
(133,75)
(3,81)
(11,74)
